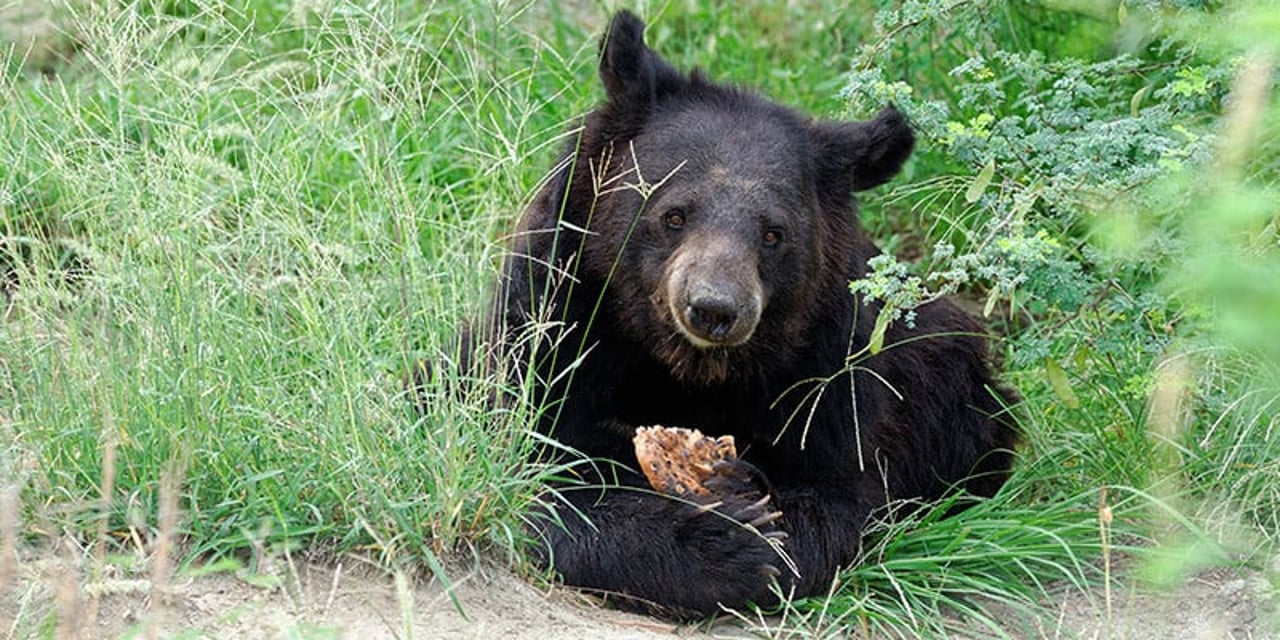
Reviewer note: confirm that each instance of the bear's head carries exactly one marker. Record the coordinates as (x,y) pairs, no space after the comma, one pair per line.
(720,223)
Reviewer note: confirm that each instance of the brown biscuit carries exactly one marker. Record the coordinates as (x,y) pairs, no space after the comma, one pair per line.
(677,461)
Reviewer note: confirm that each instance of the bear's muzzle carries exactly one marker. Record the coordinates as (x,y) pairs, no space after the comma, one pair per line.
(715,299)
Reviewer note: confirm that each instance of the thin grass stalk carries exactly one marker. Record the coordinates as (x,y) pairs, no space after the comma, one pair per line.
(105,500)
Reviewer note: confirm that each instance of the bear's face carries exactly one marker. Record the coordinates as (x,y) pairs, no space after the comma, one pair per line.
(711,216)
(729,228)
(720,219)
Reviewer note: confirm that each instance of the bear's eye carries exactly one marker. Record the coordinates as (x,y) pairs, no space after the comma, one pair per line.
(675,219)
(771,237)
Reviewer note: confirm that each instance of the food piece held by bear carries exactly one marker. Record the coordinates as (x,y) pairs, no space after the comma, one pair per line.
(678,461)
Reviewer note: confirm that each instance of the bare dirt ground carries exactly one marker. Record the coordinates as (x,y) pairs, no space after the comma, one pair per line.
(1212,605)
(330,599)
(350,599)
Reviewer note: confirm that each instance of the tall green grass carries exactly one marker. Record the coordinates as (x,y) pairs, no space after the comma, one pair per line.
(229,232)
(233,227)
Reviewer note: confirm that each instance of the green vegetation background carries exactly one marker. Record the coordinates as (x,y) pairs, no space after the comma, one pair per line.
(228,229)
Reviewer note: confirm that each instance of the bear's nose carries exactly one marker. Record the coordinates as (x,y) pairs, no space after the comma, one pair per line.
(712,316)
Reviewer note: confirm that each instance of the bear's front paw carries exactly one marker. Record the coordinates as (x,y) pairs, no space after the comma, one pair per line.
(740,491)
(734,478)
(760,515)
(740,545)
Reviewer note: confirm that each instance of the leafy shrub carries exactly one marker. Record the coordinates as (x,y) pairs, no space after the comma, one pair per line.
(1040,166)
(1101,205)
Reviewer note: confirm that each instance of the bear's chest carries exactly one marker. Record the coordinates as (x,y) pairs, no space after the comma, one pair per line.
(649,400)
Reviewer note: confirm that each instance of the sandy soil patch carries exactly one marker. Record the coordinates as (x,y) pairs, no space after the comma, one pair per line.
(350,599)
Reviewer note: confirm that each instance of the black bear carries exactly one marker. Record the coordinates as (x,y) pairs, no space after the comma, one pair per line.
(687,264)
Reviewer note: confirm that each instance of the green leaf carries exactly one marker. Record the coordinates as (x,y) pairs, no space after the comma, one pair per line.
(219,566)
(981,182)
(1136,101)
(261,580)
(1061,385)
(882,326)
(993,296)
(1082,357)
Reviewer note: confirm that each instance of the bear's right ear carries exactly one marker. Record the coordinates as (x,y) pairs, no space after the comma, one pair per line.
(633,75)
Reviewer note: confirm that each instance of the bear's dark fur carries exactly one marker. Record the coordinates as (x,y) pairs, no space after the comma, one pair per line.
(687,264)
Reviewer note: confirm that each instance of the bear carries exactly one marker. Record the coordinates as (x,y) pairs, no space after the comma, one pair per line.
(687,263)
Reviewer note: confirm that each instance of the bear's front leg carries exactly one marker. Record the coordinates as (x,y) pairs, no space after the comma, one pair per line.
(824,530)
(657,553)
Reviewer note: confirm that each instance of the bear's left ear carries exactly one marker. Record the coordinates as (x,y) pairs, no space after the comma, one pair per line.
(633,75)
(864,154)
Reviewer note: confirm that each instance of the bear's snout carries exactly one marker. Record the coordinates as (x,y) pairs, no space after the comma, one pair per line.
(712,316)
(713,303)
